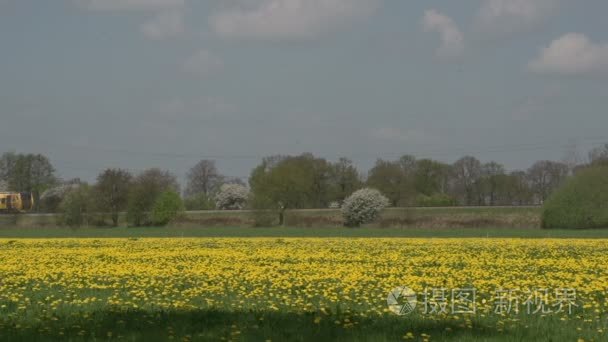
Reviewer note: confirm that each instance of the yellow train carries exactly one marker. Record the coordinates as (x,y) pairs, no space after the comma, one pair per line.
(16,202)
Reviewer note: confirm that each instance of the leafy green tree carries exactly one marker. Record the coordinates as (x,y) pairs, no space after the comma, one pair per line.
(112,192)
(582,202)
(431,177)
(145,190)
(387,177)
(344,179)
(27,173)
(395,179)
(167,207)
(76,206)
(280,183)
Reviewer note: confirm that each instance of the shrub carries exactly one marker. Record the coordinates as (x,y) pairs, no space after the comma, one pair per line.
(75,206)
(167,207)
(144,192)
(363,206)
(231,197)
(581,203)
(51,199)
(436,200)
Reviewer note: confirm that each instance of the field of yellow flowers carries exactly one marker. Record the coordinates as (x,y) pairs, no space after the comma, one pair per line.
(302,288)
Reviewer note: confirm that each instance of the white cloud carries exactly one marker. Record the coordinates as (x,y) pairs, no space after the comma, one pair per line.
(288,19)
(452,39)
(164,25)
(572,54)
(125,5)
(203,63)
(504,16)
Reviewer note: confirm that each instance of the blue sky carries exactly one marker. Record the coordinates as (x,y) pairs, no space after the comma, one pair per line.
(142,83)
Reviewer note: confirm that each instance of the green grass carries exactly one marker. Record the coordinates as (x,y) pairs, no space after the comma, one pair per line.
(57,232)
(214,325)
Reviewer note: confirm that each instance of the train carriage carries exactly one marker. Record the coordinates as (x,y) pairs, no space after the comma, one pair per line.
(16,202)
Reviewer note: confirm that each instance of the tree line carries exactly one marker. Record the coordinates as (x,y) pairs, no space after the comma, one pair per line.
(288,182)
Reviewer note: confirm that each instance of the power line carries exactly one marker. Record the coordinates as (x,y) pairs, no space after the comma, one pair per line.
(463,149)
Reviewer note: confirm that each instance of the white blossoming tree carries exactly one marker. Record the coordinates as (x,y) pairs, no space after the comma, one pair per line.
(231,197)
(363,206)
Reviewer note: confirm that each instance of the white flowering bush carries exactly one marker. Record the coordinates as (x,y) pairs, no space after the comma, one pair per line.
(334,205)
(50,199)
(231,197)
(363,206)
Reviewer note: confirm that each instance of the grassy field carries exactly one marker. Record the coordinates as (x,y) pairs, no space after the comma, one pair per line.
(279,284)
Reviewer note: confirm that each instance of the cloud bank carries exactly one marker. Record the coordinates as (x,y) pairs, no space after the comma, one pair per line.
(452,39)
(288,19)
(572,54)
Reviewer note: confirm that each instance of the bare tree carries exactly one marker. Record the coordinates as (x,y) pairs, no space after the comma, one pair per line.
(518,189)
(494,181)
(599,155)
(571,156)
(544,177)
(112,192)
(345,179)
(203,178)
(466,176)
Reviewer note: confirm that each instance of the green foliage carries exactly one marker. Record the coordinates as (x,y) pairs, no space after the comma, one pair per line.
(436,200)
(282,183)
(138,206)
(344,180)
(264,211)
(199,201)
(167,207)
(431,177)
(395,179)
(27,173)
(144,191)
(581,203)
(75,207)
